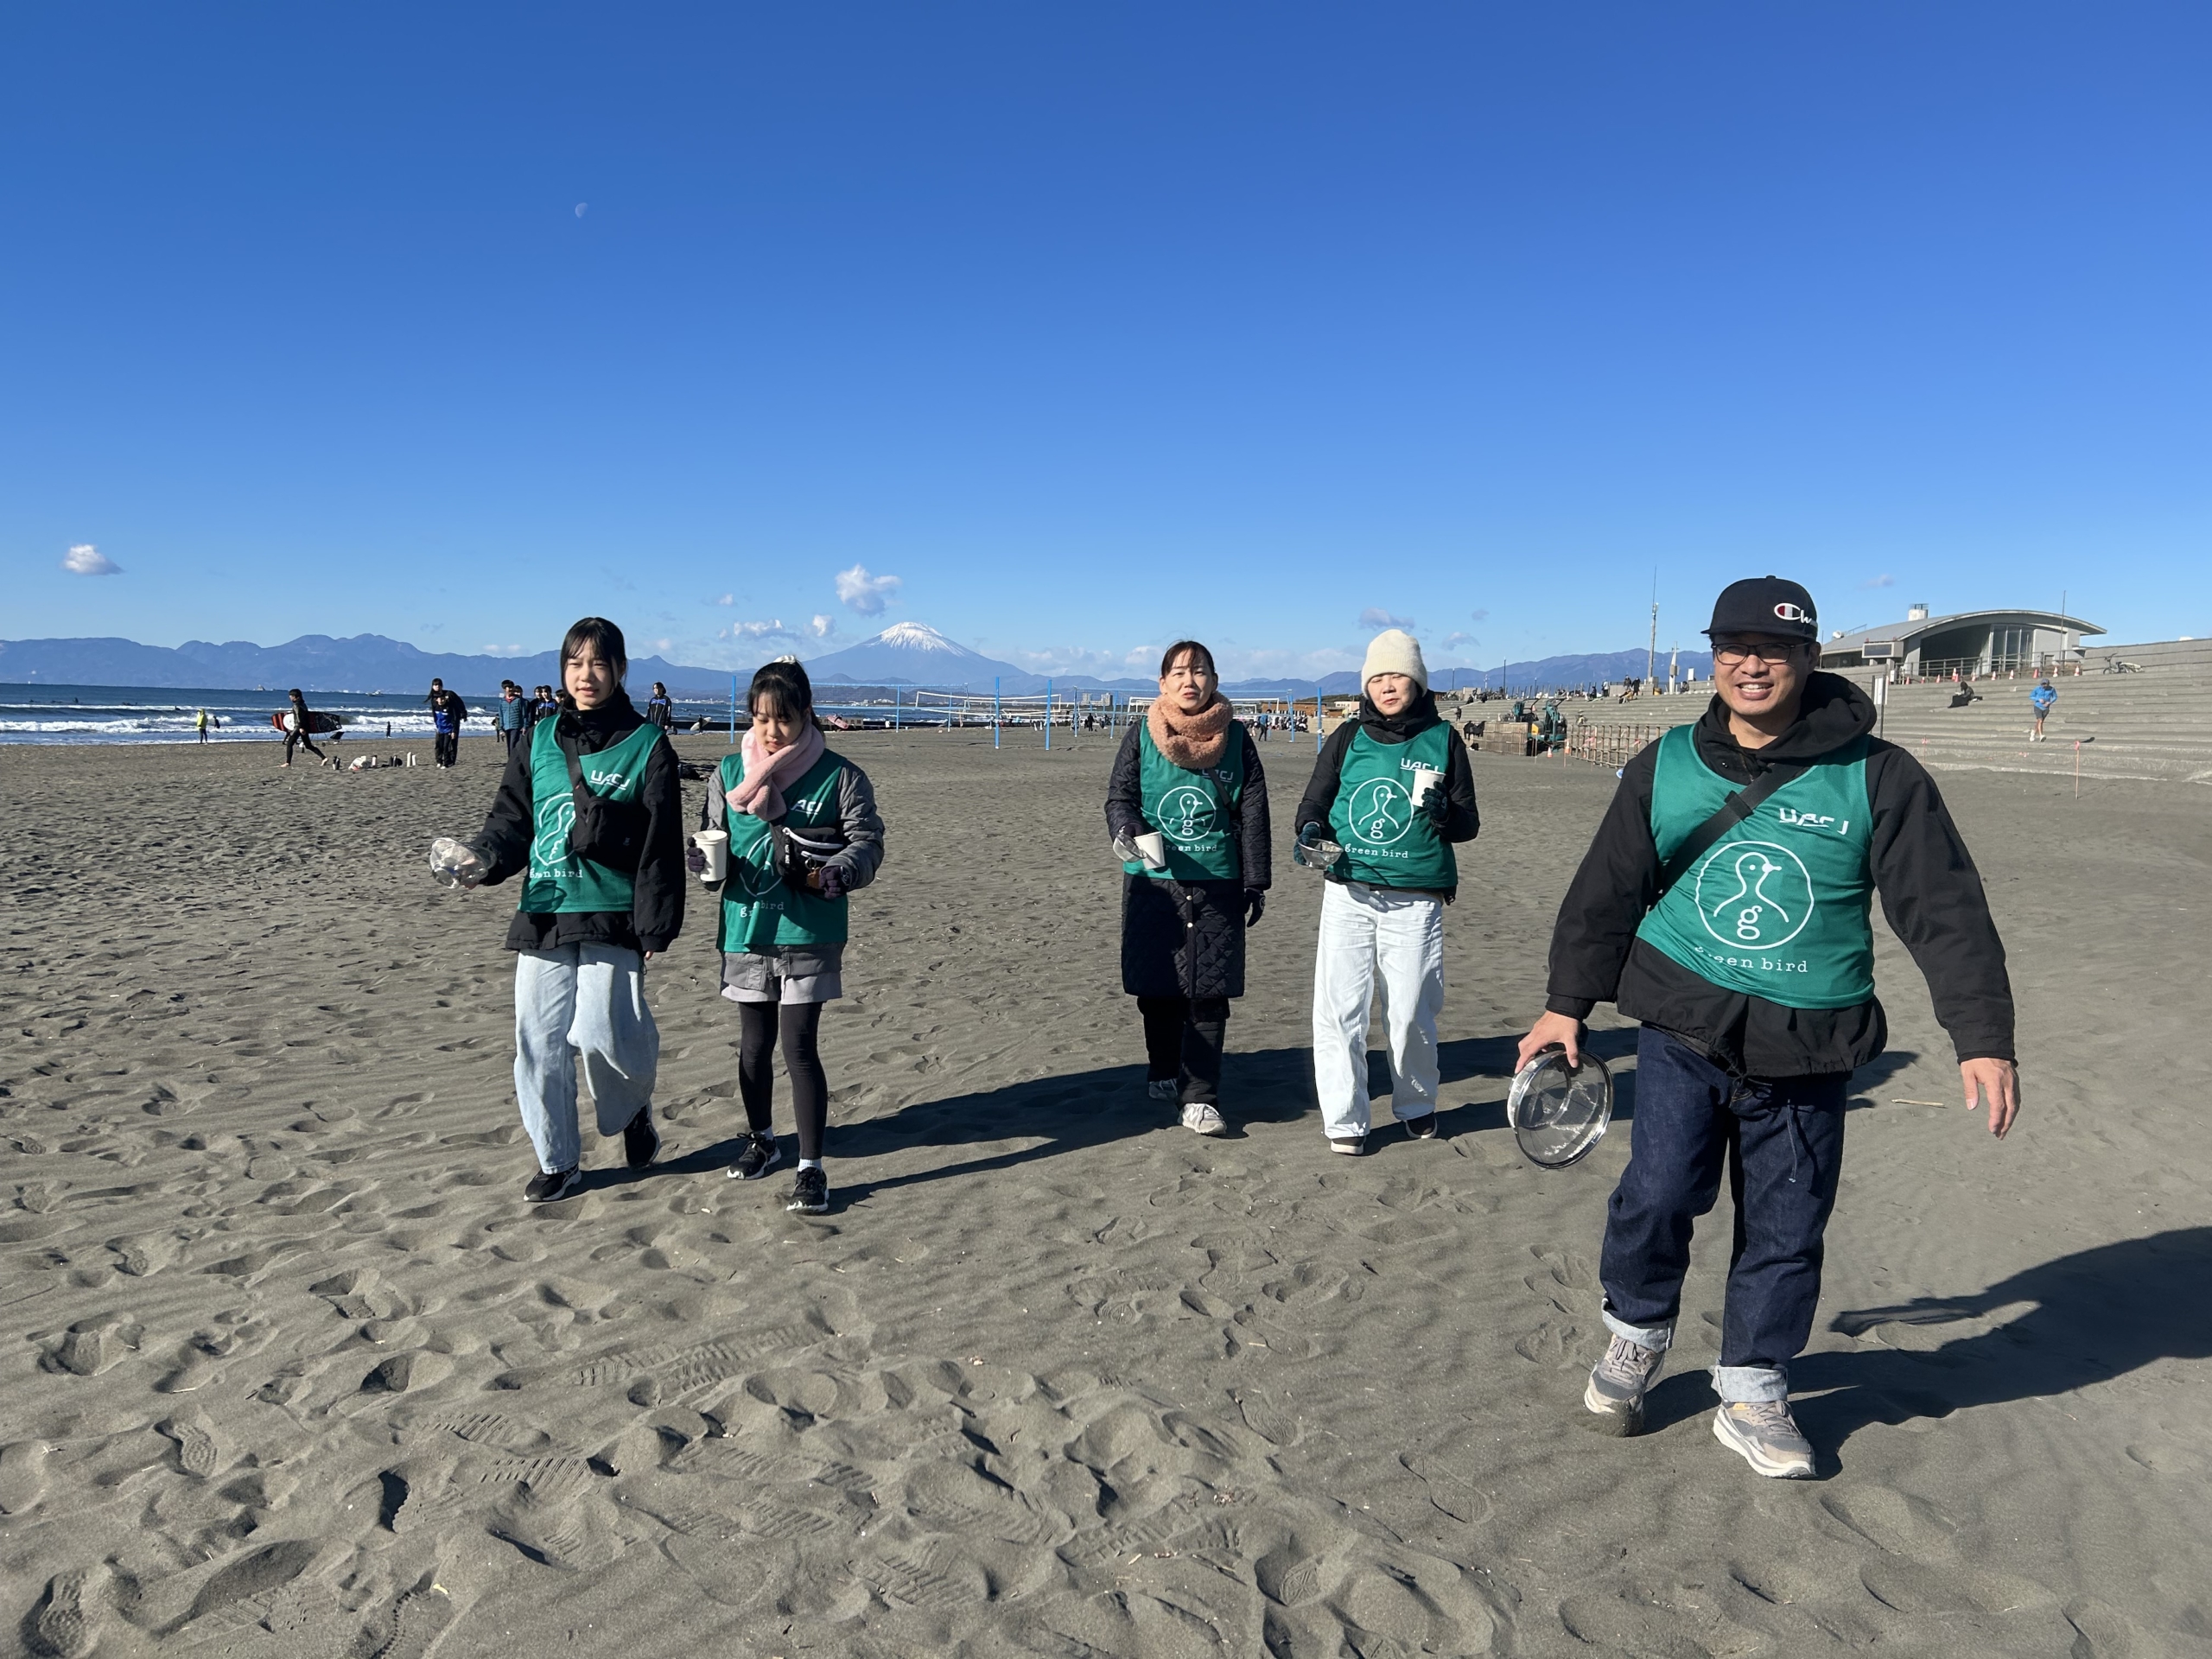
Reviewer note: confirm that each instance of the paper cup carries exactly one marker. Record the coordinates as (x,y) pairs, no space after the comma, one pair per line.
(1425,779)
(1153,849)
(715,845)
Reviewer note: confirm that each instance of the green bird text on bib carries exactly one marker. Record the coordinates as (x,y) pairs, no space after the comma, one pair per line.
(760,910)
(1387,843)
(1777,907)
(558,880)
(1193,811)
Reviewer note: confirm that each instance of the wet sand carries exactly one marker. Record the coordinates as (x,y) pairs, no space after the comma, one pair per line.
(291,1369)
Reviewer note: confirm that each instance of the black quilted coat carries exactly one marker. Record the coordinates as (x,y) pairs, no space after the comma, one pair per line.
(1186,938)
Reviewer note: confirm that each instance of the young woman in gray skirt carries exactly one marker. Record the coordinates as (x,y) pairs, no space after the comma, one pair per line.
(803,832)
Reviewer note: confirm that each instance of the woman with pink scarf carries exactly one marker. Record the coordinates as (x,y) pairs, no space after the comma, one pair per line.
(1186,806)
(803,832)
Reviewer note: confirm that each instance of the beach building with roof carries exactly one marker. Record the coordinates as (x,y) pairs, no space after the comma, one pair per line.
(1966,643)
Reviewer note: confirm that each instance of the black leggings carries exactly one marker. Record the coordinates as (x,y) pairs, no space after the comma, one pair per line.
(756,1079)
(1182,1039)
(304,742)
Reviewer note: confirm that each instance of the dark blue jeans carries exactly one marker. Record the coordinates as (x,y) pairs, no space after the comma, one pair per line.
(1781,1139)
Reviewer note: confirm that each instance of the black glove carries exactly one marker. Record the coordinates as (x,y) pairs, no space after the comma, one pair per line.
(695,859)
(1439,805)
(1256,905)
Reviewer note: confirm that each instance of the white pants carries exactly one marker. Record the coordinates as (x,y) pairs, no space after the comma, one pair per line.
(586,1000)
(1373,938)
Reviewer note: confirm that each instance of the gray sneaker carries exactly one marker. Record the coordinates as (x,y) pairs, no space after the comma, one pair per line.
(1765,1434)
(1162,1088)
(1615,1394)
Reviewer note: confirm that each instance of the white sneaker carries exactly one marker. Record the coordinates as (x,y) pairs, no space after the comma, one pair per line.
(1203,1117)
(1766,1436)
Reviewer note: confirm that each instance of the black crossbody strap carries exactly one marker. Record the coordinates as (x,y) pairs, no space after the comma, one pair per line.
(1733,811)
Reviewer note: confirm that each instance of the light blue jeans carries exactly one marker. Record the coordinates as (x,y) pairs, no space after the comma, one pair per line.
(585,999)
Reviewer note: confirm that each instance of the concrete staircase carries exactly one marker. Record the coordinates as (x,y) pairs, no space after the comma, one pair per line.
(2155,724)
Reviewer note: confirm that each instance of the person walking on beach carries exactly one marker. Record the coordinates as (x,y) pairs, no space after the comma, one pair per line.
(513,717)
(803,832)
(1187,805)
(659,710)
(1391,794)
(1723,903)
(298,729)
(602,894)
(201,725)
(446,714)
(2042,699)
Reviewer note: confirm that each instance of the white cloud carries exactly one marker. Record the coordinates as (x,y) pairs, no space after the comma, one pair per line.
(727,598)
(1480,616)
(1376,617)
(771,629)
(663,646)
(863,593)
(505,650)
(85,559)
(1883,581)
(1454,641)
(822,628)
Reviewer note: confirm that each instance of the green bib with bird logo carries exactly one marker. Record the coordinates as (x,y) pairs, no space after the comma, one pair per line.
(1193,811)
(1387,843)
(557,880)
(1777,907)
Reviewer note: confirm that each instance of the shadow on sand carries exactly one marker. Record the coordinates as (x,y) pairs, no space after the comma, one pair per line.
(2095,1315)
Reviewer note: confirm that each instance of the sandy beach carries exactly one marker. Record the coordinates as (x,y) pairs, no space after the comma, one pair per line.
(291,1369)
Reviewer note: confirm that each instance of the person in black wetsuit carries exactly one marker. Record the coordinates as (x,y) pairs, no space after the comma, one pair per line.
(297,720)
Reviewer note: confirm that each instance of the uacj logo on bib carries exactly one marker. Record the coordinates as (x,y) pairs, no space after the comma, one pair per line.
(1754,894)
(1187,815)
(1381,811)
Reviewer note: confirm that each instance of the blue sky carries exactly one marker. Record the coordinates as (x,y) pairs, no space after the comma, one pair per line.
(1068,330)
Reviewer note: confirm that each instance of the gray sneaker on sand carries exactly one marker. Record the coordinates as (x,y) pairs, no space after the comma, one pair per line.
(1162,1088)
(1203,1117)
(1765,1435)
(1615,1394)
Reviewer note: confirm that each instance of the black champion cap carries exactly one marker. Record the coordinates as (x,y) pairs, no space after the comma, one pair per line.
(1766,605)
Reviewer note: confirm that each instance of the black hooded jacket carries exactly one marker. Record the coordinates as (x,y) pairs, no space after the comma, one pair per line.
(656,913)
(1461,822)
(1931,891)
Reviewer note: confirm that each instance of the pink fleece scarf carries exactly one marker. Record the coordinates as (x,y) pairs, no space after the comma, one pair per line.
(760,793)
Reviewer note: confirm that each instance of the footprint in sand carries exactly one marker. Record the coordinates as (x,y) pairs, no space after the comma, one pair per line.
(420,1618)
(68,1625)
(23,1476)
(196,1452)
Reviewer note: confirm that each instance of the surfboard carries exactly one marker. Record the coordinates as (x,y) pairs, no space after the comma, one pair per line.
(319,725)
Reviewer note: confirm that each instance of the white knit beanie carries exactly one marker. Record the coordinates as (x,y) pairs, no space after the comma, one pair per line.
(1394,652)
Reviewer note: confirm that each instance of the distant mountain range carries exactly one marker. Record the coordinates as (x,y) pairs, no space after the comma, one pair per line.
(905,654)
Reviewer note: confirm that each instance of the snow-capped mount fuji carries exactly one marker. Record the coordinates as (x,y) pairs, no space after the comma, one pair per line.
(913,653)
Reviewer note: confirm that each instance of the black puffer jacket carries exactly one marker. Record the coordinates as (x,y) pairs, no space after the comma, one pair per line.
(656,914)
(1186,938)
(1931,891)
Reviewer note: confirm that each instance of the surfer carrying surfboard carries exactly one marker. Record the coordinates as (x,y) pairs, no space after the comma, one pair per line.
(299,725)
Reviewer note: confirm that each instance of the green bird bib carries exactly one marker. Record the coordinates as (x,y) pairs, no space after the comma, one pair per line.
(760,909)
(1387,843)
(558,880)
(1193,811)
(1777,907)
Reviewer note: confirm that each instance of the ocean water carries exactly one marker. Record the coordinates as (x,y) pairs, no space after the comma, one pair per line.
(125,714)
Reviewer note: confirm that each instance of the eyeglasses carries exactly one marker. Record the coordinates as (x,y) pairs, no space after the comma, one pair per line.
(1767,651)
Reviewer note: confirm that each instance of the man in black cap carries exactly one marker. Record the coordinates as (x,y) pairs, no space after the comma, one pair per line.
(1723,903)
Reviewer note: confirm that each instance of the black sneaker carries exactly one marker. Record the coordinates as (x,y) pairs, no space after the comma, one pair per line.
(641,1140)
(759,1156)
(809,1193)
(544,1188)
(1420,1128)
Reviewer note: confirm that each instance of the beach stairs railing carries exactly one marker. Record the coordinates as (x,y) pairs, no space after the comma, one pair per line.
(2154,723)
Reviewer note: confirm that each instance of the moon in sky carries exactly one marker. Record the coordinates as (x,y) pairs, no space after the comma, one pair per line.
(580,209)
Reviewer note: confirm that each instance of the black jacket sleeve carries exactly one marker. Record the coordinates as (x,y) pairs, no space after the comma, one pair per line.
(657,905)
(1321,789)
(503,842)
(1605,902)
(1933,897)
(1255,837)
(1125,789)
(1462,822)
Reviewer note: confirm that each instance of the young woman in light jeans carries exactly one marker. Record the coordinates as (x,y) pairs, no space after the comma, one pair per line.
(1382,837)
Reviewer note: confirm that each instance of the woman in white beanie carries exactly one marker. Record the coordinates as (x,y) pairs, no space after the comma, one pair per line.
(1391,793)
